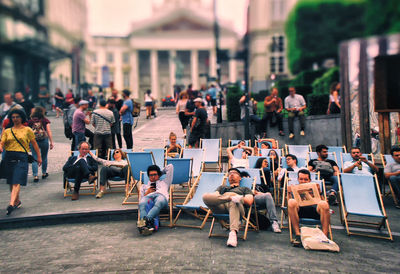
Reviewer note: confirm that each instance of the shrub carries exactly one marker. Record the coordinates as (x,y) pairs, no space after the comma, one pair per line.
(232,103)
(322,85)
(307,77)
(317,104)
(260,96)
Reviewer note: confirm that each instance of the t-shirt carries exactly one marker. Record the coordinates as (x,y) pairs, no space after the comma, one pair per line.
(318,166)
(190,106)
(25,135)
(78,121)
(44,92)
(213,93)
(101,126)
(39,125)
(127,117)
(392,167)
(28,106)
(294,102)
(201,115)
(365,168)
(240,190)
(92,101)
(235,162)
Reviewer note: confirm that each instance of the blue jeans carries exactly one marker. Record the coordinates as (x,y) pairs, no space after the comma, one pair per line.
(395,182)
(159,203)
(79,137)
(334,182)
(44,149)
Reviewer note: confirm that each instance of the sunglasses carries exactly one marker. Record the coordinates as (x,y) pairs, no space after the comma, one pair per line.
(117,151)
(15,117)
(153,174)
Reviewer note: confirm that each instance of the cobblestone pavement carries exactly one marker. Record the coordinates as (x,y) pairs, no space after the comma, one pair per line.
(117,247)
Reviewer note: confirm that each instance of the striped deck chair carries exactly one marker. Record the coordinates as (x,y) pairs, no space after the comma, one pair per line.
(117,181)
(159,155)
(197,155)
(212,152)
(301,151)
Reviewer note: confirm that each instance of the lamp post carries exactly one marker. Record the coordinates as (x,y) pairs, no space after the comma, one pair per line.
(217,50)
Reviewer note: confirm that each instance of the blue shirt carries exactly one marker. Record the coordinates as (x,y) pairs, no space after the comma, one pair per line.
(213,93)
(127,117)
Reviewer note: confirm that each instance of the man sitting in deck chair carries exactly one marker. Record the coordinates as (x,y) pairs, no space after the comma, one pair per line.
(359,164)
(156,190)
(318,211)
(80,167)
(242,162)
(230,199)
(392,171)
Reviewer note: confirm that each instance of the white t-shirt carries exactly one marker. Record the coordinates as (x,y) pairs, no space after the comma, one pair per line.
(240,162)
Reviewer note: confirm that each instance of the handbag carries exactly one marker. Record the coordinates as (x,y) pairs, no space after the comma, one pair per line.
(31,159)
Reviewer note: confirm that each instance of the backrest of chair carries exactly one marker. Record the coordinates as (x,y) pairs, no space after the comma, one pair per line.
(182,170)
(159,155)
(253,160)
(300,151)
(144,179)
(254,173)
(237,153)
(212,150)
(314,176)
(337,149)
(76,152)
(347,157)
(139,161)
(208,182)
(232,143)
(180,142)
(360,194)
(266,151)
(387,159)
(274,144)
(301,162)
(331,156)
(244,182)
(197,154)
(111,152)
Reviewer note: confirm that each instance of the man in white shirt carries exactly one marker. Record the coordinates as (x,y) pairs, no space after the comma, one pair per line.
(102,120)
(359,164)
(295,105)
(392,171)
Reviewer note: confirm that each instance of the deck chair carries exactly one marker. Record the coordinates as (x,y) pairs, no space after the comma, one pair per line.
(265,152)
(301,151)
(301,162)
(274,144)
(89,189)
(159,155)
(237,153)
(197,155)
(182,175)
(387,159)
(138,161)
(232,143)
(193,204)
(212,152)
(344,157)
(337,150)
(331,156)
(360,197)
(246,182)
(117,181)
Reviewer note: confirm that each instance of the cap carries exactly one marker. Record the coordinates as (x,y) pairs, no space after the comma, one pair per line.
(198,100)
(83,102)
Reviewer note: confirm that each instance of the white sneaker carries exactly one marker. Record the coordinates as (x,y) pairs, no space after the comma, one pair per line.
(291,136)
(232,240)
(302,133)
(275,227)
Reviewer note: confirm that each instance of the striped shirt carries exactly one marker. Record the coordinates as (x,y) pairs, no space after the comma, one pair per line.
(101,126)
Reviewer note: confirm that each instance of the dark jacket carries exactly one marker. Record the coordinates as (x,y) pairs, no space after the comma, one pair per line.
(92,164)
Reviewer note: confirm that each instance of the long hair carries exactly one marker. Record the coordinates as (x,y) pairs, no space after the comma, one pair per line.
(259,162)
(38,112)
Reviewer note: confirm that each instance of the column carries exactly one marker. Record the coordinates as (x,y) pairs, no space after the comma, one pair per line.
(213,63)
(134,74)
(194,65)
(232,71)
(172,71)
(154,73)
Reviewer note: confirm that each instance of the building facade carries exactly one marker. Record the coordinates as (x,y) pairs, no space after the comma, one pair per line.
(176,46)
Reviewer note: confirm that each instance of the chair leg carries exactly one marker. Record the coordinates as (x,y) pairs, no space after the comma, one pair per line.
(211,227)
(205,219)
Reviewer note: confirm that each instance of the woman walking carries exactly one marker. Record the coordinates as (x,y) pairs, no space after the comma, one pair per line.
(180,110)
(334,99)
(148,103)
(59,98)
(41,128)
(15,141)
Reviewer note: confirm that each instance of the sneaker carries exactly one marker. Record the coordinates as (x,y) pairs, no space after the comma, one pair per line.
(332,199)
(75,196)
(302,133)
(297,241)
(232,240)
(275,227)
(100,194)
(10,209)
(291,136)
(281,133)
(44,176)
(92,178)
(36,179)
(140,225)
(18,205)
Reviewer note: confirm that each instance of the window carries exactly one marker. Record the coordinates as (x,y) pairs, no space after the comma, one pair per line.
(281,43)
(125,58)
(126,79)
(273,44)
(281,64)
(110,57)
(272,65)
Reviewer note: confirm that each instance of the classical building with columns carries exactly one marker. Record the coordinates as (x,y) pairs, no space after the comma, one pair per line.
(176,46)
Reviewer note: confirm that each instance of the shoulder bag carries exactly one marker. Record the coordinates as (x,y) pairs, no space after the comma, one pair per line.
(31,159)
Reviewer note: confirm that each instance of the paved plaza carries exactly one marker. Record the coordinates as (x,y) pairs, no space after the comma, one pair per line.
(99,235)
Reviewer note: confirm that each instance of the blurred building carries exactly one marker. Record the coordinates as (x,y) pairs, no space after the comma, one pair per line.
(41,43)
(267,42)
(176,46)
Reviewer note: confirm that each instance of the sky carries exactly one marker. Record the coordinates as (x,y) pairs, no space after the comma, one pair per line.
(114,17)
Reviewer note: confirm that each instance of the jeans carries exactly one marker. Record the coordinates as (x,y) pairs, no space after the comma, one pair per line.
(159,203)
(128,135)
(107,172)
(79,137)
(102,142)
(265,201)
(268,119)
(334,182)
(292,115)
(44,149)
(395,182)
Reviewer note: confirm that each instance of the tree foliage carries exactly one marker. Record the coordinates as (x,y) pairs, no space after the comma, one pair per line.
(382,16)
(322,84)
(233,96)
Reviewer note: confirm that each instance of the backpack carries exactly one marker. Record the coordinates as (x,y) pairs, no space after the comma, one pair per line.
(38,130)
(136,108)
(324,168)
(67,127)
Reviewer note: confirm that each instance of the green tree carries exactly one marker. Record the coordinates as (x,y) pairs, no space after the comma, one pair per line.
(315,28)
(382,16)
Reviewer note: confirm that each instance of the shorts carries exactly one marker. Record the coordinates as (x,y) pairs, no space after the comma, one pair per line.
(148,104)
(194,137)
(17,164)
(309,212)
(213,102)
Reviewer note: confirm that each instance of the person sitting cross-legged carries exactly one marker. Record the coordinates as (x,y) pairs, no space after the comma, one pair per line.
(155,190)
(80,167)
(392,172)
(230,199)
(359,164)
(318,211)
(118,167)
(243,161)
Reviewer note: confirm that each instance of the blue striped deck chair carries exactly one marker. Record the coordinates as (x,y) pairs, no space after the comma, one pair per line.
(388,159)
(301,151)
(253,160)
(337,150)
(88,189)
(361,197)
(138,161)
(159,155)
(255,173)
(212,152)
(301,162)
(245,182)
(205,183)
(118,179)
(232,143)
(197,154)
(265,152)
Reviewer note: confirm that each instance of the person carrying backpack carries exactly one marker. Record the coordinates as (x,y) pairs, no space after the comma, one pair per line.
(41,128)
